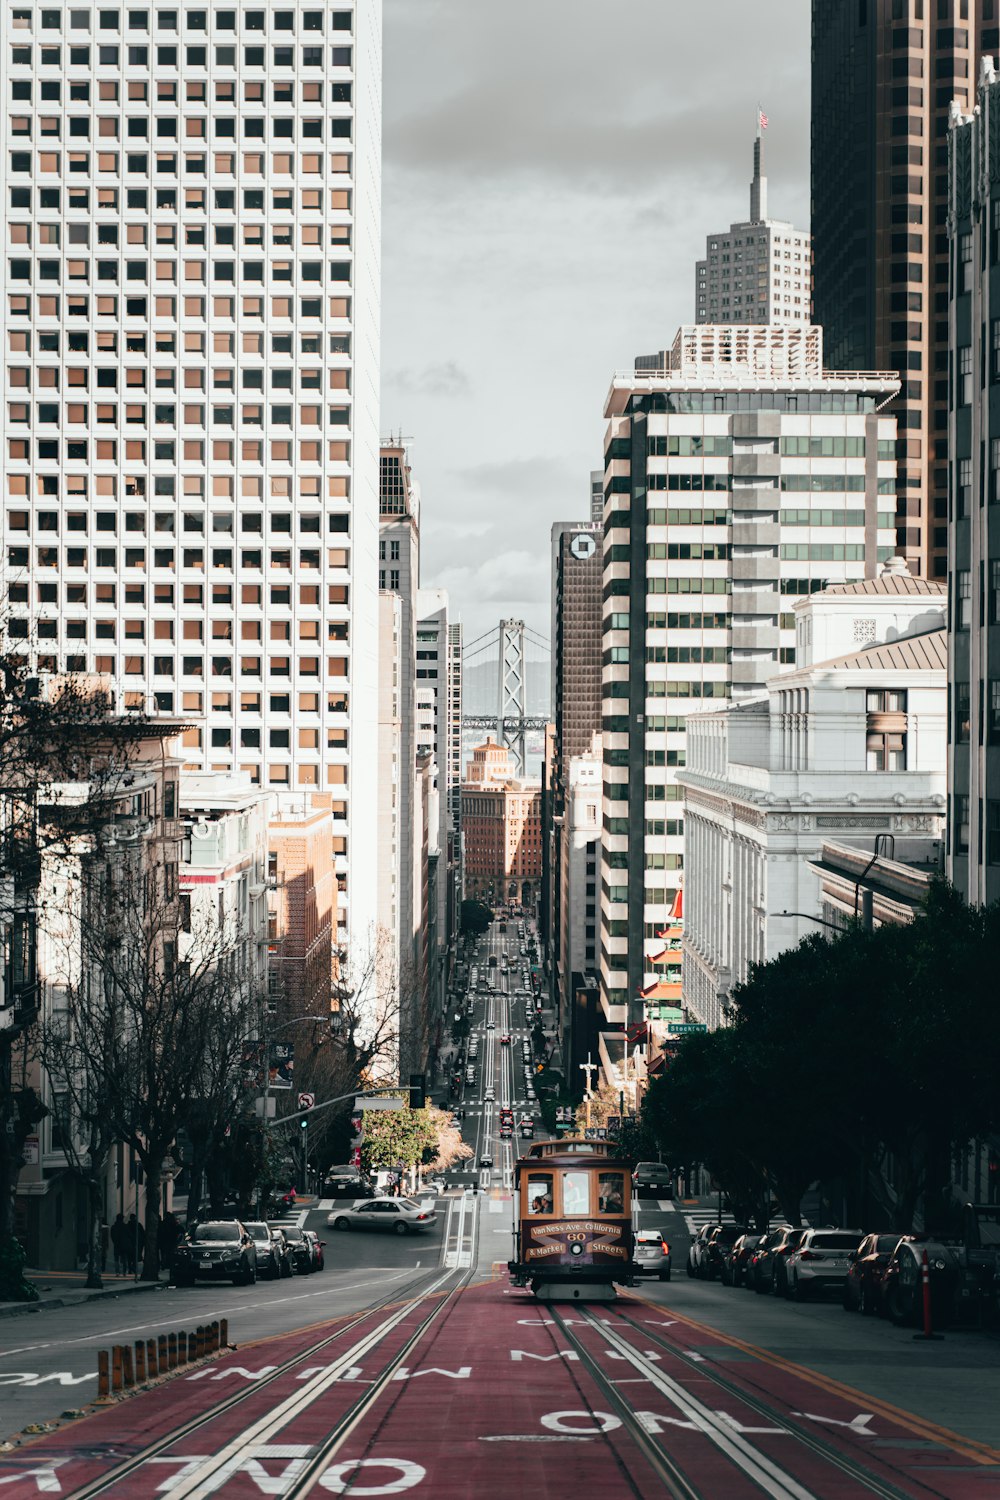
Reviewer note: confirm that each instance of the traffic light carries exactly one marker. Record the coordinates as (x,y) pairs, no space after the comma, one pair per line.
(418,1096)
(304,1123)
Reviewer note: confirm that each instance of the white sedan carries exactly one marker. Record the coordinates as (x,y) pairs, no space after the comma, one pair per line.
(400,1215)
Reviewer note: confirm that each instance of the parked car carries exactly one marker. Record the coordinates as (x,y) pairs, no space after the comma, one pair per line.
(652,1177)
(779,1254)
(317,1246)
(760,1274)
(735,1265)
(272,1253)
(486,1161)
(952,1285)
(651,1255)
(819,1261)
(864,1282)
(218,1250)
(981,1240)
(397,1215)
(717,1248)
(299,1252)
(697,1248)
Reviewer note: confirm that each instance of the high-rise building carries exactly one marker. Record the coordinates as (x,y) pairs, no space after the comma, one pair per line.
(577,578)
(884,73)
(190,418)
(438,733)
(502,820)
(399,574)
(757,271)
(974,531)
(739,478)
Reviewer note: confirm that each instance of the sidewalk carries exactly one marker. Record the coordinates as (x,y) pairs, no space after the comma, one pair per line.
(67,1289)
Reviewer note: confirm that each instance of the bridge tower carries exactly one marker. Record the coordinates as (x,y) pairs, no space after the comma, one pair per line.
(512,700)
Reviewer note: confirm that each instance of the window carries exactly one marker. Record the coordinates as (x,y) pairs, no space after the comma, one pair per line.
(964,497)
(995,591)
(963,616)
(993,721)
(540,1193)
(575,1193)
(611,1193)
(992,832)
(963,713)
(962,824)
(965,375)
(886,752)
(964,263)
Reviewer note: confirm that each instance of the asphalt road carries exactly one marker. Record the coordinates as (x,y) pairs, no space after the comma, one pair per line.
(684,1387)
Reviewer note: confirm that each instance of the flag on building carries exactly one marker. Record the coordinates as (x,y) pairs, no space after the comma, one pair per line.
(761,119)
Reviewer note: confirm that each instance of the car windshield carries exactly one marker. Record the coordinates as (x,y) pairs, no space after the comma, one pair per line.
(292,1234)
(886,1244)
(834,1242)
(649,1237)
(258,1231)
(410,1203)
(206,1233)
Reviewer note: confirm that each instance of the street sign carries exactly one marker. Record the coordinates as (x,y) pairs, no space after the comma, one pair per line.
(375,1102)
(595,1133)
(270,1101)
(684,1028)
(307,1101)
(30,1155)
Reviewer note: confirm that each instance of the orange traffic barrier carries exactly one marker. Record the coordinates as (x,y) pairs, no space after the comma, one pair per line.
(103,1374)
(140,1362)
(128,1375)
(116,1367)
(223,1333)
(172,1351)
(152,1364)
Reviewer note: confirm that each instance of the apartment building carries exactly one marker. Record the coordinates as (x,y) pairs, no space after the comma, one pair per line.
(223,872)
(741,476)
(884,73)
(189,419)
(849,744)
(758,271)
(502,824)
(974,502)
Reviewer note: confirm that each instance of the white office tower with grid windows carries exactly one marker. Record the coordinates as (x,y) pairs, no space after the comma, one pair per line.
(189,417)
(740,476)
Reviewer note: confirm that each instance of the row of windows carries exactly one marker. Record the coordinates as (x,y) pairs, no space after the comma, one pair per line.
(167,91)
(192,595)
(196,127)
(218,666)
(688,654)
(252,560)
(79,305)
(684,551)
(196,200)
(168,20)
(279,523)
(192,450)
(167,163)
(826,403)
(109,55)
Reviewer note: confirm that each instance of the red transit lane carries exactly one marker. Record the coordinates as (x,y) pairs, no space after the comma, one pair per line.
(485,1391)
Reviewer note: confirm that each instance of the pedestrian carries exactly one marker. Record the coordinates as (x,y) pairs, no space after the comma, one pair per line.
(105,1240)
(135,1242)
(119,1243)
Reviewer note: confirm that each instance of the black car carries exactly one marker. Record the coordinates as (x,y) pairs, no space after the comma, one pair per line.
(953,1286)
(717,1248)
(299,1249)
(760,1274)
(347,1182)
(736,1264)
(272,1252)
(218,1250)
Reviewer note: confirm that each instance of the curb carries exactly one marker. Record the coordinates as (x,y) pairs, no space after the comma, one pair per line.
(19,1309)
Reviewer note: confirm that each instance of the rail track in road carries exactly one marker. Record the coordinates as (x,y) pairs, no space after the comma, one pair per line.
(751,1434)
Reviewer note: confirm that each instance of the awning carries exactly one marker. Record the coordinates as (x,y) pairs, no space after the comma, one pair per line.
(662,990)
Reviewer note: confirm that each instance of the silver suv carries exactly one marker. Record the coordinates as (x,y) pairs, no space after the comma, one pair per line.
(820,1260)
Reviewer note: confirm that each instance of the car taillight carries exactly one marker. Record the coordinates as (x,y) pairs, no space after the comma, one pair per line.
(808,1255)
(423,1216)
(665,1248)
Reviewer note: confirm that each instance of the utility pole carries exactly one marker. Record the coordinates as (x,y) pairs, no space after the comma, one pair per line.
(588,1067)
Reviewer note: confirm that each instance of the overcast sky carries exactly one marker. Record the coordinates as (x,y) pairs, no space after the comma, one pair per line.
(551,170)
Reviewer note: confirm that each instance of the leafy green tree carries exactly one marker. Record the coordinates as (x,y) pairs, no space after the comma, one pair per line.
(476,918)
(397,1137)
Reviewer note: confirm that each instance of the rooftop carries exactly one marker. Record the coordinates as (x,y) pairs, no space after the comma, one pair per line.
(910,653)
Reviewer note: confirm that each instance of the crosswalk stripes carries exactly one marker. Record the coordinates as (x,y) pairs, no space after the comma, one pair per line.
(697,1218)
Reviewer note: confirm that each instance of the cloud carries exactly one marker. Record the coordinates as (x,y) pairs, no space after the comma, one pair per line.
(446,378)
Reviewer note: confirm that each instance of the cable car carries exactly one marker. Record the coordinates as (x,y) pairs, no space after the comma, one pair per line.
(573,1225)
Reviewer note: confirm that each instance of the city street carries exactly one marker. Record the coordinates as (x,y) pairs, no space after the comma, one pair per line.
(413,1358)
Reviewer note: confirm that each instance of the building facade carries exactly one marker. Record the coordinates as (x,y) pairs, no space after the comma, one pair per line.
(757,271)
(849,746)
(502,828)
(223,871)
(189,414)
(303,907)
(884,73)
(394,859)
(974,514)
(740,477)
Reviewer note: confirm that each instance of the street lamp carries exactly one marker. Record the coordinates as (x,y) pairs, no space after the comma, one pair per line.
(808,916)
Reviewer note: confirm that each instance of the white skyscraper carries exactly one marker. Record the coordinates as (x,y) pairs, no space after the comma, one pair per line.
(189,421)
(759,271)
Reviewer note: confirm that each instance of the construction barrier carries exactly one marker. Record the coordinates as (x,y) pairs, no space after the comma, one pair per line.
(126,1366)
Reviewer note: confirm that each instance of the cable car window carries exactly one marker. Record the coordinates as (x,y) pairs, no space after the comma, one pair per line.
(611,1194)
(540,1193)
(576,1192)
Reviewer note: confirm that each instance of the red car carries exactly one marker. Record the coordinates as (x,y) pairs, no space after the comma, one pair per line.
(505,1041)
